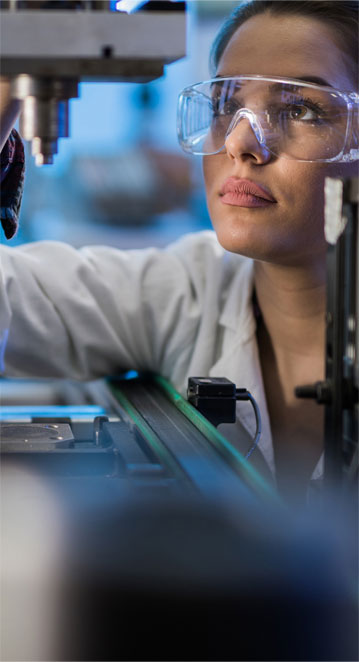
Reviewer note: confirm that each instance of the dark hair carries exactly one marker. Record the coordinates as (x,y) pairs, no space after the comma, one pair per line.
(341,15)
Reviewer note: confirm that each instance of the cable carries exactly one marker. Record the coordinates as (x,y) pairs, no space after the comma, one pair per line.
(243,394)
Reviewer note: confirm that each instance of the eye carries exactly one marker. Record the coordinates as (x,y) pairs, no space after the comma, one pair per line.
(305,110)
(301,112)
(224,107)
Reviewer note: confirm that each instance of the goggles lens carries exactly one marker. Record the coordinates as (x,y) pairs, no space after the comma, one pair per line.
(292,119)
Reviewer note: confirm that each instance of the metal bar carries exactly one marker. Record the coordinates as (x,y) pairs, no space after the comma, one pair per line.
(209,472)
(341,410)
(350,358)
(44,35)
(333,427)
(152,438)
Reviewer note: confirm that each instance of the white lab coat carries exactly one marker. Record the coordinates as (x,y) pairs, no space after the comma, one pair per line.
(183,311)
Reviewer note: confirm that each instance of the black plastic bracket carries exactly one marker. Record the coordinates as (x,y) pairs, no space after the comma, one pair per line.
(214,397)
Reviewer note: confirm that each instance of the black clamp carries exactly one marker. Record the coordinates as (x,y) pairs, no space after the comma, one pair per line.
(216,397)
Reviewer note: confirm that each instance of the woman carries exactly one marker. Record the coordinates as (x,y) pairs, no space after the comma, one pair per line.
(247,302)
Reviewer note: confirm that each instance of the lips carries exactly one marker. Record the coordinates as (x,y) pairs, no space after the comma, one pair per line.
(245,193)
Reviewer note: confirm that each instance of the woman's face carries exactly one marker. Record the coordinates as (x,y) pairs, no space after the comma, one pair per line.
(291,229)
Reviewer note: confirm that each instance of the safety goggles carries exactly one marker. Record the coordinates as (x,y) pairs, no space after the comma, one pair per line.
(290,118)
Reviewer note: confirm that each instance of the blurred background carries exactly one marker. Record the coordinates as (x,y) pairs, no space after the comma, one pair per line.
(122,179)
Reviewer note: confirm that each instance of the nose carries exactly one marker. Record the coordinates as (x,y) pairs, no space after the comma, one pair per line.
(245,138)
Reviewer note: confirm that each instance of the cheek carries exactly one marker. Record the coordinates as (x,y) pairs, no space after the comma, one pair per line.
(209,169)
(301,206)
(303,188)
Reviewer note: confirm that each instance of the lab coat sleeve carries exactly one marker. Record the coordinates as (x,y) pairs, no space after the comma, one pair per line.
(86,313)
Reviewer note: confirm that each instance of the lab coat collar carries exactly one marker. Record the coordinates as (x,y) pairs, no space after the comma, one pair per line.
(237,311)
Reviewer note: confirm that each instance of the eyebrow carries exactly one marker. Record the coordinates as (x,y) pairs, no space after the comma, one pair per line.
(317,80)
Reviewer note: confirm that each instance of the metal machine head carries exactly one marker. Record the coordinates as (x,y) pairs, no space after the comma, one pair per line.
(48,47)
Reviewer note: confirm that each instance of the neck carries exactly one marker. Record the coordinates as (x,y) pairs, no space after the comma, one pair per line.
(292,301)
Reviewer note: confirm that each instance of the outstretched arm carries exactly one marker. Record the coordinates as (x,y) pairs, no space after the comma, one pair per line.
(96,311)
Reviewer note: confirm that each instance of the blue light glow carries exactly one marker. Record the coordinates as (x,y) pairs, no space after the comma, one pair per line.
(131,374)
(129,6)
(48,411)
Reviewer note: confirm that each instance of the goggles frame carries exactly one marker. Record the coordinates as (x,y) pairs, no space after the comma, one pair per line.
(351,99)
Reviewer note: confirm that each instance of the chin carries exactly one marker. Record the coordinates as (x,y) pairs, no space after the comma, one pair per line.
(262,248)
(244,241)
(250,232)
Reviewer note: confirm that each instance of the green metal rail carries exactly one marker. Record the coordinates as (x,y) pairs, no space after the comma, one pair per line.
(231,456)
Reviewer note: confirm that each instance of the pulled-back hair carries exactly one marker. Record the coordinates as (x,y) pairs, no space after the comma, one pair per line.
(340,15)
